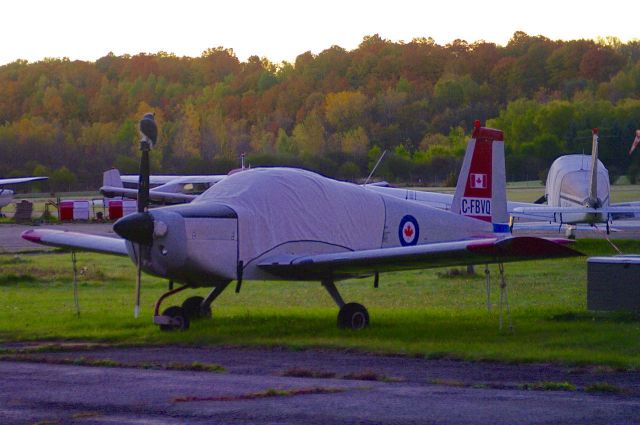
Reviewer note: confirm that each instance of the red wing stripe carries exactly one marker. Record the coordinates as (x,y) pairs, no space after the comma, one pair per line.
(32,236)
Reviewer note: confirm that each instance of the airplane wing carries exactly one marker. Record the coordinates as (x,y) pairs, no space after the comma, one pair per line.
(164,179)
(577,210)
(626,215)
(358,263)
(16,180)
(549,213)
(77,241)
(154,195)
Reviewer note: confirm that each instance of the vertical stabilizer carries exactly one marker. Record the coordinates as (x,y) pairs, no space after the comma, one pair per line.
(481,192)
(593,200)
(112,178)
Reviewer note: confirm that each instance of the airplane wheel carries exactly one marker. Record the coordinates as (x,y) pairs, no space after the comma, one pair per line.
(192,310)
(353,316)
(178,314)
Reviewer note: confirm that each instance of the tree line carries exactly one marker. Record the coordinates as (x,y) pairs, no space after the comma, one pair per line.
(334,112)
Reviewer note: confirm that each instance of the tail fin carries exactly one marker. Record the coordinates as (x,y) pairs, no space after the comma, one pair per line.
(481,191)
(593,200)
(112,178)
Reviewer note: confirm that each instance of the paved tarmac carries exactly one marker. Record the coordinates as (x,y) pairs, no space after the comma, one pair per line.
(11,242)
(256,388)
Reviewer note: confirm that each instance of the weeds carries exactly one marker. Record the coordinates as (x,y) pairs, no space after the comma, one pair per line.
(603,387)
(83,361)
(271,392)
(296,372)
(548,386)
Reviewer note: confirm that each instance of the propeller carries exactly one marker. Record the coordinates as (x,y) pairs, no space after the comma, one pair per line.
(138,228)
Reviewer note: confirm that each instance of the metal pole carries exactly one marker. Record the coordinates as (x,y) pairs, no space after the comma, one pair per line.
(143,176)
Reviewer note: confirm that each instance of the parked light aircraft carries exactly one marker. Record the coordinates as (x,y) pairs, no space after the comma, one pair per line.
(6,195)
(292,224)
(577,191)
(166,189)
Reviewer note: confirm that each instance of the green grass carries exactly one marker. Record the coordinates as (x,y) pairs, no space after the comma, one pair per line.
(415,313)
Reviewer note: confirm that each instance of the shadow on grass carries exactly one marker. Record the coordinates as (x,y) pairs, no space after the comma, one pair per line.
(598,316)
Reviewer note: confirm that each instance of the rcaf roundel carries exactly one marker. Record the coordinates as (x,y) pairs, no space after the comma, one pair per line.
(408,231)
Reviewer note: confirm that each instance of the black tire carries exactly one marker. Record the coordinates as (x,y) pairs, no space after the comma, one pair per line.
(353,316)
(193,310)
(178,314)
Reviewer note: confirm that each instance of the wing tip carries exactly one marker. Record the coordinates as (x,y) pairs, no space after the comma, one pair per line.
(530,247)
(31,236)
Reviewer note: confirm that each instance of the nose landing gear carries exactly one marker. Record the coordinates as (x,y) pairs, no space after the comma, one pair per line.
(193,308)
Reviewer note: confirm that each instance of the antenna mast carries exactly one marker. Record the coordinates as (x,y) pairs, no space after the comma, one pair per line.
(375,167)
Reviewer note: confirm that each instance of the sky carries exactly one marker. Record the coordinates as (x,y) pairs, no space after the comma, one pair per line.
(280,30)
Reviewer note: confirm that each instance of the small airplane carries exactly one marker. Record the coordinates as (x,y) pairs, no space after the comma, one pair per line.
(6,195)
(292,224)
(577,191)
(165,189)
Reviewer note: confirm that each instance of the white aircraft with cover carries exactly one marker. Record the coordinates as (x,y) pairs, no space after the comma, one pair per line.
(289,224)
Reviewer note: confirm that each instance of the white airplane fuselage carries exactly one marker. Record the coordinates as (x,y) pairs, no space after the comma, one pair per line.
(6,196)
(207,238)
(568,185)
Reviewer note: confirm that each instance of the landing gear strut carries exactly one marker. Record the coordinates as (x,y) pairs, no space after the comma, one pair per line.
(351,315)
(193,308)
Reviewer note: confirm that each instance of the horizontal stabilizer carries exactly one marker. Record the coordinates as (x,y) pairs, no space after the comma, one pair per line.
(77,241)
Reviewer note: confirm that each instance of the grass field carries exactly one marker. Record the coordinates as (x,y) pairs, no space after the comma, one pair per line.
(418,313)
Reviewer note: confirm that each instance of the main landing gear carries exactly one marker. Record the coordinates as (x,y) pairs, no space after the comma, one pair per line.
(351,315)
(176,318)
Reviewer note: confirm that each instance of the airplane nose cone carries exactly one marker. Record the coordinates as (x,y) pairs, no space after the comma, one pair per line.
(136,228)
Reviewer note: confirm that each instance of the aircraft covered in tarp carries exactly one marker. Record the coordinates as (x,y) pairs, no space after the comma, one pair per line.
(291,224)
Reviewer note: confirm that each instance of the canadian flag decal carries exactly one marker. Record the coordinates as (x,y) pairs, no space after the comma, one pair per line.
(478,181)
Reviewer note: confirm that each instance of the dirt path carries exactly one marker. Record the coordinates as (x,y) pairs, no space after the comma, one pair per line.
(277,385)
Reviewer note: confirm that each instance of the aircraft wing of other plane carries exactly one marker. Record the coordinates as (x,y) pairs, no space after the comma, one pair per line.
(17,180)
(443,201)
(551,210)
(168,190)
(77,241)
(154,195)
(616,215)
(445,254)
(165,179)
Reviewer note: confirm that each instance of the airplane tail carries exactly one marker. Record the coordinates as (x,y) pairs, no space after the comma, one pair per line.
(112,178)
(481,192)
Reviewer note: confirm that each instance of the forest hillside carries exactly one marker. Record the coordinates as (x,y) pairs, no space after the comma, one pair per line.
(332,112)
